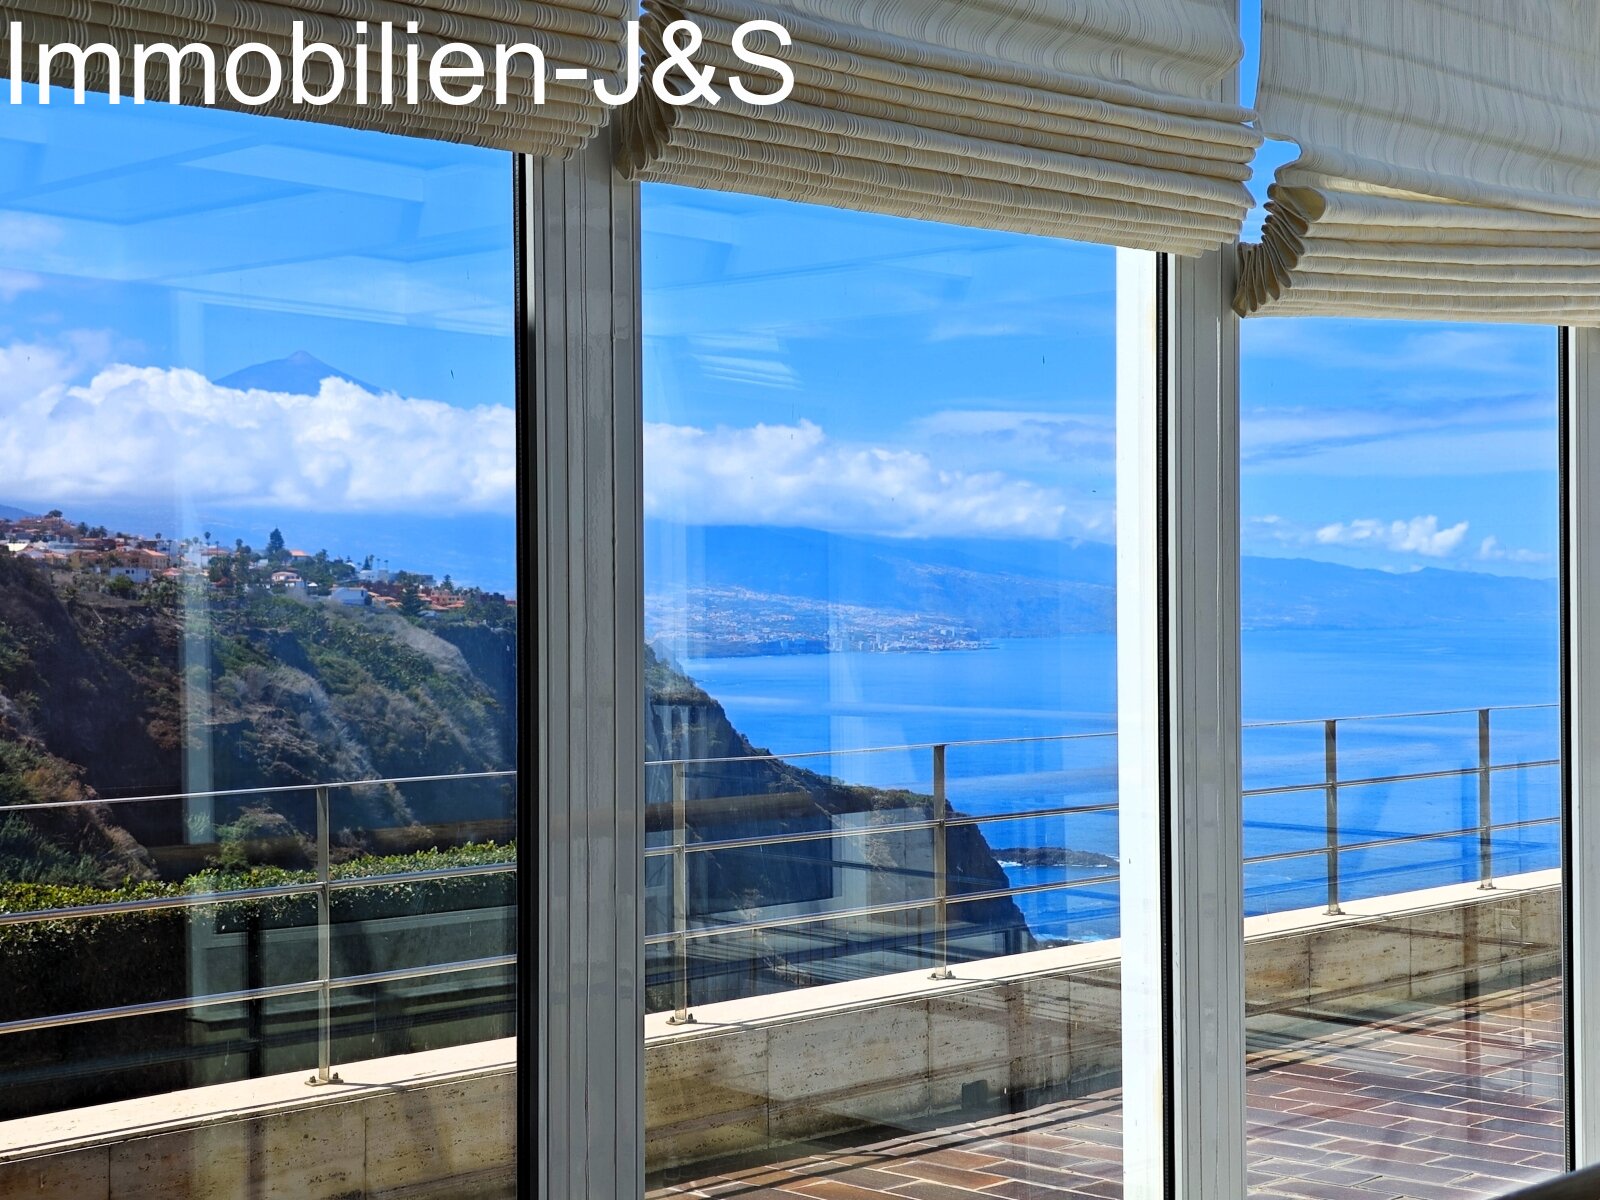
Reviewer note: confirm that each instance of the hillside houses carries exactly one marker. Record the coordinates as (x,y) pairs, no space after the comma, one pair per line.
(97,557)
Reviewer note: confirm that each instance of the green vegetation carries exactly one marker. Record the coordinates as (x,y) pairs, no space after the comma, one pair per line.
(215,678)
(32,860)
(103,961)
(17,896)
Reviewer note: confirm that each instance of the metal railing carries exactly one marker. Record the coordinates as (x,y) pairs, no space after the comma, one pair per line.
(679,848)
(322,887)
(941,819)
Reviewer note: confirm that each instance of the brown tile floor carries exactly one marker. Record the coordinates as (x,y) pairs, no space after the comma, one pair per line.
(1444,1102)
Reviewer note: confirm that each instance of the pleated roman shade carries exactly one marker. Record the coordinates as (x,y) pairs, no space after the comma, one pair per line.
(1085,119)
(1449,166)
(571,33)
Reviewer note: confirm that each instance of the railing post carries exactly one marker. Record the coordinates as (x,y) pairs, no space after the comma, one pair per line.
(325,1072)
(941,867)
(680,900)
(1330,763)
(1485,806)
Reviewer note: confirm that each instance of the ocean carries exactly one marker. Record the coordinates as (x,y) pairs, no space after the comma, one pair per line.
(1046,688)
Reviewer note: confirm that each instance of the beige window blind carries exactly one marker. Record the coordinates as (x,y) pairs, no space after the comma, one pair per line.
(1449,161)
(585,34)
(1085,119)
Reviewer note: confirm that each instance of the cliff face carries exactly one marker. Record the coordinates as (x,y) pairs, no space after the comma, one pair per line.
(85,675)
(755,797)
(102,696)
(86,699)
(307,693)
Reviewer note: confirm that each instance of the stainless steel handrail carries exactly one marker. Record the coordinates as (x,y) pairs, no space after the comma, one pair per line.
(322,886)
(1074,737)
(942,818)
(276,789)
(700,932)
(1414,777)
(1399,839)
(953,821)
(273,992)
(1400,716)
(1005,741)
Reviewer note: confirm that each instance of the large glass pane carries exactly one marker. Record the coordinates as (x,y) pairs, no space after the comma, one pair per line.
(882,892)
(1401,753)
(257,631)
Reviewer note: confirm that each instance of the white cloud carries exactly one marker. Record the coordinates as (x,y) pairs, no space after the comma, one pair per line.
(14,283)
(1355,346)
(796,475)
(1454,438)
(25,231)
(1386,399)
(1490,550)
(142,433)
(1419,535)
(1050,440)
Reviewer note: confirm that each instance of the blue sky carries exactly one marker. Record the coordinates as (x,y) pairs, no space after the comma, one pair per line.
(870,374)
(147,253)
(803,366)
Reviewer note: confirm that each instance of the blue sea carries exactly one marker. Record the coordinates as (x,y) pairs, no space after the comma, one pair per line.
(841,703)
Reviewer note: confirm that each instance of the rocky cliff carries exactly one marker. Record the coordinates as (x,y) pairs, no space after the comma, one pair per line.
(745,795)
(104,696)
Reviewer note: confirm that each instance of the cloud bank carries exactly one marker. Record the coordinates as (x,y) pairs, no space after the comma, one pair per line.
(142,434)
(145,433)
(795,475)
(1490,550)
(1419,535)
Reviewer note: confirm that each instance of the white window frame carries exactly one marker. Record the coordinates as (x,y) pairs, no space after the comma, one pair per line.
(1179,709)
(1580,750)
(1178,721)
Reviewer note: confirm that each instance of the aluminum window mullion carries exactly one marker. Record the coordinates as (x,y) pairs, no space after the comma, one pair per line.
(583,386)
(1179,727)
(1580,637)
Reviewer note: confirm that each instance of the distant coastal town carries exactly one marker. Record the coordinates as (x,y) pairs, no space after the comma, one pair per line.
(134,565)
(734,622)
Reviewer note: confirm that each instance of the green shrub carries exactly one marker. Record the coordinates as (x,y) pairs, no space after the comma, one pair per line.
(77,963)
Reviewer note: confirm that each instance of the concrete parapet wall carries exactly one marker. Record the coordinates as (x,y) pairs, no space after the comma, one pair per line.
(780,1068)
(883,1051)
(433,1126)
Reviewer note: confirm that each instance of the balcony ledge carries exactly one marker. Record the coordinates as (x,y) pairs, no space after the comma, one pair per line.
(711,1020)
(437,1123)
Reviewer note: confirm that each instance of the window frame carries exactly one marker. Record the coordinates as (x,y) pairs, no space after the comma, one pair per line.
(580,393)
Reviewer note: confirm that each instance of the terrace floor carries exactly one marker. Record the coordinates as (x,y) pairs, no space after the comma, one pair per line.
(1438,1103)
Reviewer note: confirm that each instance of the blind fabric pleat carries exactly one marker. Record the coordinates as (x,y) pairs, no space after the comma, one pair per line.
(587,34)
(1083,119)
(1449,165)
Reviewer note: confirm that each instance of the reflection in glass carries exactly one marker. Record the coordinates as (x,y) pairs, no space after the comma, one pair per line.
(881,866)
(257,521)
(1401,756)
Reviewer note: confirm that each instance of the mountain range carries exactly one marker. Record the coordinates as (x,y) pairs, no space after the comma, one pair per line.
(1015,588)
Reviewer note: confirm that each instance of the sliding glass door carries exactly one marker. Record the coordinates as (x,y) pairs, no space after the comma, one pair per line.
(882,863)
(1402,752)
